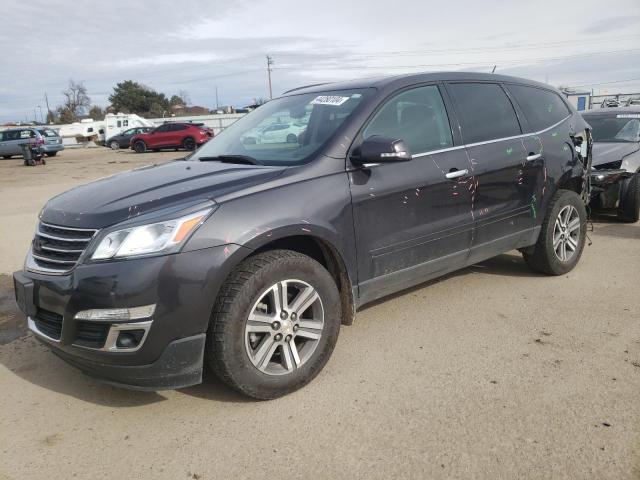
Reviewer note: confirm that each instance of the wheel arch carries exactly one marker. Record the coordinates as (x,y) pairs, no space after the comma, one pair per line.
(320,249)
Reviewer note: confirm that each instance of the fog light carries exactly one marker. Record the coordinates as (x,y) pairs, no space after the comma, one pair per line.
(129,338)
(111,314)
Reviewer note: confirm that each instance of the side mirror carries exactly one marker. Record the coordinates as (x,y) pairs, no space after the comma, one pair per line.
(377,149)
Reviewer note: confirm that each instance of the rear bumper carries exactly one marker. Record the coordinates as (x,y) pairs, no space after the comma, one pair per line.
(53,148)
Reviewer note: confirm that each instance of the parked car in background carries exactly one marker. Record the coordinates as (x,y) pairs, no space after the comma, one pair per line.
(247,258)
(278,132)
(52,142)
(610,103)
(12,139)
(632,102)
(615,172)
(176,135)
(123,139)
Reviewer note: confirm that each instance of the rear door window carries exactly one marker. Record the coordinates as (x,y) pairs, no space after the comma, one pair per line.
(542,108)
(417,116)
(485,112)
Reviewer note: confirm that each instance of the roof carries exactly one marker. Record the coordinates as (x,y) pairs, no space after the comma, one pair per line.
(612,110)
(408,79)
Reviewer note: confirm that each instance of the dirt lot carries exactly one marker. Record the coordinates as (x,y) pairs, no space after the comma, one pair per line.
(493,372)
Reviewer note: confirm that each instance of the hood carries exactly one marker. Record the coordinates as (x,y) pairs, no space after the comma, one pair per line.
(607,152)
(119,197)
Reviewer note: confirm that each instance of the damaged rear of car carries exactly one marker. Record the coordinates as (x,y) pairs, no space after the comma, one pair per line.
(615,172)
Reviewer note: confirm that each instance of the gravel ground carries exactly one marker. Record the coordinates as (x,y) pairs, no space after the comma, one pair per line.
(492,372)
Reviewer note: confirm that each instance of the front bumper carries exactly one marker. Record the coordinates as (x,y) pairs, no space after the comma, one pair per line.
(183,287)
(606,187)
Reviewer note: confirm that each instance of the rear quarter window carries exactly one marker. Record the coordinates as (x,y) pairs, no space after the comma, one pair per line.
(485,112)
(542,108)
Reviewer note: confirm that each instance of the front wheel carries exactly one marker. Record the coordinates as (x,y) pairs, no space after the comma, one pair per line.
(562,236)
(629,209)
(274,324)
(140,146)
(114,145)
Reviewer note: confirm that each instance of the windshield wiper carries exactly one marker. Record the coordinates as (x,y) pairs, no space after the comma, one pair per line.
(243,159)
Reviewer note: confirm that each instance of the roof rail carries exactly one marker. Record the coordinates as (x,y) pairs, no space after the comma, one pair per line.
(306,86)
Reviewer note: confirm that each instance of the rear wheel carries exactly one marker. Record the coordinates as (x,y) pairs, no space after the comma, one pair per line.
(140,146)
(51,154)
(562,237)
(189,143)
(6,156)
(629,210)
(114,145)
(274,324)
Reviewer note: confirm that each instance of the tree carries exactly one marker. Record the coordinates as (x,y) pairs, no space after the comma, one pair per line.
(133,97)
(66,116)
(76,100)
(176,100)
(184,95)
(96,113)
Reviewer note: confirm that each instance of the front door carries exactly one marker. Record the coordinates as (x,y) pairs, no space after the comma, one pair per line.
(411,222)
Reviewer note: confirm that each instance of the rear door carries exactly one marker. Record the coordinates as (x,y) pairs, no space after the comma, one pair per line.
(502,181)
(412,222)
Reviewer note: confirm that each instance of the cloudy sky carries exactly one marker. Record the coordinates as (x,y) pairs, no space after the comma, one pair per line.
(196,45)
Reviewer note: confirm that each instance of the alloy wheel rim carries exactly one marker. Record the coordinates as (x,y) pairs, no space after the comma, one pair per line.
(284,327)
(566,233)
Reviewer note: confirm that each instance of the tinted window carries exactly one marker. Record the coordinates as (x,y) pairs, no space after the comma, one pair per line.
(163,128)
(131,131)
(11,135)
(27,133)
(615,128)
(177,128)
(417,116)
(48,133)
(541,107)
(485,112)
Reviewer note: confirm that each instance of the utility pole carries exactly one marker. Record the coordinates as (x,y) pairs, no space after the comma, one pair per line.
(269,63)
(494,69)
(48,110)
(217,102)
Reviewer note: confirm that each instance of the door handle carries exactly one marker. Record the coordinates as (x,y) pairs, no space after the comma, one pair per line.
(533,156)
(456,174)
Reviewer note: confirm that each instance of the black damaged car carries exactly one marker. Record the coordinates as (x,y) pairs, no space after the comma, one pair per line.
(247,258)
(615,174)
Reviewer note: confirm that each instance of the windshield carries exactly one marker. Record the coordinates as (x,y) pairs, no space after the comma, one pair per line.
(615,128)
(287,130)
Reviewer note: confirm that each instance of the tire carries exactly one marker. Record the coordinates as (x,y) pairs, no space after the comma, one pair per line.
(544,257)
(114,145)
(51,154)
(291,138)
(629,209)
(6,157)
(235,356)
(189,144)
(140,146)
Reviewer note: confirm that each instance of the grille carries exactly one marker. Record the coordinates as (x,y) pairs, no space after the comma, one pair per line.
(49,323)
(609,166)
(91,334)
(58,249)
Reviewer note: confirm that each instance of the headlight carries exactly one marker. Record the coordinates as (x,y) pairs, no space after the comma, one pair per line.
(153,238)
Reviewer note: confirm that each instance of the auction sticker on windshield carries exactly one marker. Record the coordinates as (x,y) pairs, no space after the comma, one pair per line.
(334,100)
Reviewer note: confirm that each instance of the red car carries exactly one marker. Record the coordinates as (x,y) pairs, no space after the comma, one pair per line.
(172,135)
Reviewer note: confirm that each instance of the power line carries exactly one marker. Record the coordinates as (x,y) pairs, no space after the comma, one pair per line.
(606,83)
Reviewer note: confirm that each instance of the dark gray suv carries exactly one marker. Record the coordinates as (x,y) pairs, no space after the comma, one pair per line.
(247,257)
